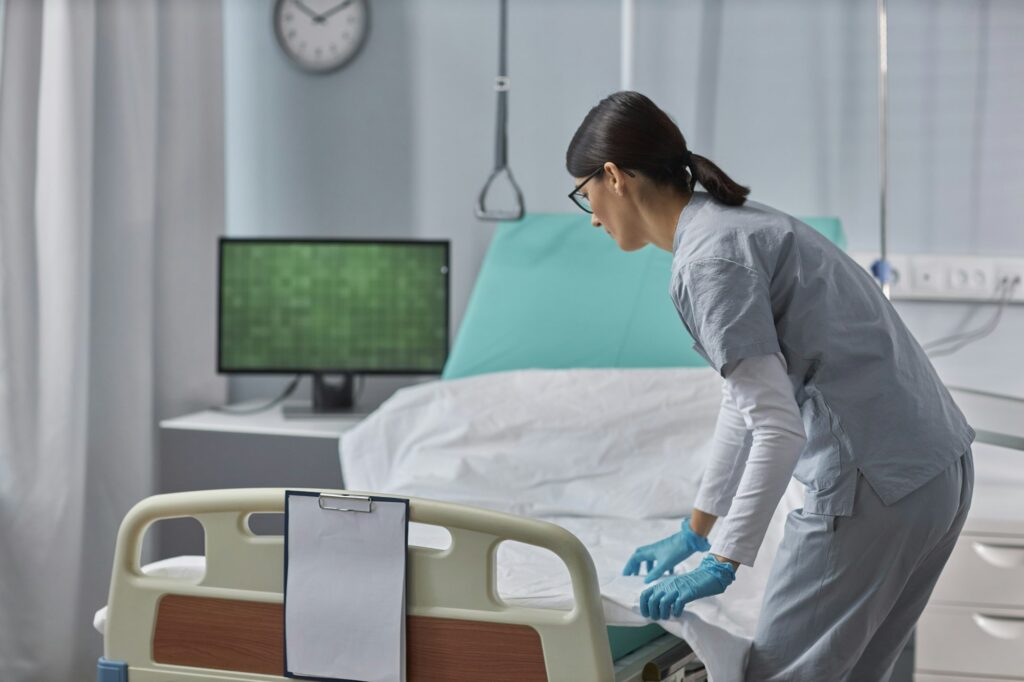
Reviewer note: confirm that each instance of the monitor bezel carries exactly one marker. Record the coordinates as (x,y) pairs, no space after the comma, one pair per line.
(446,243)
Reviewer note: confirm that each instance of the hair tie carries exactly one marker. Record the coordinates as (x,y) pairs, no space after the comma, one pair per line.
(680,163)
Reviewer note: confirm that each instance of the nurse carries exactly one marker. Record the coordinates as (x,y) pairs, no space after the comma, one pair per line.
(823,382)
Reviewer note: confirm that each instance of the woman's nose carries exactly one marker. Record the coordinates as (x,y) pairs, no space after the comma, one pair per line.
(594,221)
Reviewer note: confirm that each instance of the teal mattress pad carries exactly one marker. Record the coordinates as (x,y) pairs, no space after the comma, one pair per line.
(555,293)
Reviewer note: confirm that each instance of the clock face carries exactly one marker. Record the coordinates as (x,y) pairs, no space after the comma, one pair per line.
(321,35)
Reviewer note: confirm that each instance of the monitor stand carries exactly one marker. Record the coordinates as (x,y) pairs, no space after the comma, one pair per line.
(330,398)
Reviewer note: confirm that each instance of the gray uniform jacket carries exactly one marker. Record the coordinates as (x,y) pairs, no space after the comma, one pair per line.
(751,280)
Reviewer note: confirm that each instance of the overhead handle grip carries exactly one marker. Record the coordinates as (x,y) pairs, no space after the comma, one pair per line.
(502,85)
(515,213)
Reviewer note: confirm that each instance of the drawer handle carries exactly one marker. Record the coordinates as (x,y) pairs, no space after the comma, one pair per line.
(1003,627)
(1002,556)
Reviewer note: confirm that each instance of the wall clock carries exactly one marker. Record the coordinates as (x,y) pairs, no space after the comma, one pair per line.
(320,36)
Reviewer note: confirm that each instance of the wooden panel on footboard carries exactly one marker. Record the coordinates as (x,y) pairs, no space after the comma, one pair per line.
(247,636)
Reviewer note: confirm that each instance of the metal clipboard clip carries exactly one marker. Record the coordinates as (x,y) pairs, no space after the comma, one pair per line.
(345,503)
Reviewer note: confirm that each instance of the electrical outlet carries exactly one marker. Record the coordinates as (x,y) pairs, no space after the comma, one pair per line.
(970,277)
(931,277)
(928,275)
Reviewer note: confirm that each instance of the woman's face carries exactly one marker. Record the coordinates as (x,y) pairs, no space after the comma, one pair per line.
(611,200)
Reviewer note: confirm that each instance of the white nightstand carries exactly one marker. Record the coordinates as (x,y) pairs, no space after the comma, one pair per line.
(973,627)
(269,423)
(212,449)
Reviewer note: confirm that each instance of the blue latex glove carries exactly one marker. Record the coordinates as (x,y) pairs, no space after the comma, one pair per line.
(669,596)
(664,555)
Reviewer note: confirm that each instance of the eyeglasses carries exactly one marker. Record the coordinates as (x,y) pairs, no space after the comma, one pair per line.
(582,200)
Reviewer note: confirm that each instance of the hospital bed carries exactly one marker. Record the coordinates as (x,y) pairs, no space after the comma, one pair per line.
(552,293)
(224,622)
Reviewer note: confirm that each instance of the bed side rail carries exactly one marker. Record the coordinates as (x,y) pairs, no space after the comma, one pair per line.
(446,588)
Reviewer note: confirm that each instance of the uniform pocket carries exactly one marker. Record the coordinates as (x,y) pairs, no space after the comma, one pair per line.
(820,466)
(826,523)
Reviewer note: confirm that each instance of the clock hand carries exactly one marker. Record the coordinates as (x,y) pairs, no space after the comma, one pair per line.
(310,13)
(337,8)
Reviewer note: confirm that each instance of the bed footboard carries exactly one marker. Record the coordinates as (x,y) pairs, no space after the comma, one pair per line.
(229,625)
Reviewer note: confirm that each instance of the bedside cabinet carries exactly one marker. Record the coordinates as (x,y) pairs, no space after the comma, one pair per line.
(210,449)
(973,627)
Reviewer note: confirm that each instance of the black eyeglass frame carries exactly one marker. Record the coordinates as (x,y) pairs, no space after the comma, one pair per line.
(575,192)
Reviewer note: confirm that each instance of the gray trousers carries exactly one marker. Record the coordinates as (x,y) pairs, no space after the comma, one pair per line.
(845,592)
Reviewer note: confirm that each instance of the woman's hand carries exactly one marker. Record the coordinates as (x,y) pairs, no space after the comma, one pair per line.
(663,556)
(668,597)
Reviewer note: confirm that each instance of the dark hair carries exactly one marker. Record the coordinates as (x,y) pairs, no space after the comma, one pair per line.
(630,130)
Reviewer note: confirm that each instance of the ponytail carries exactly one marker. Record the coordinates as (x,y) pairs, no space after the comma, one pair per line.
(629,130)
(716,182)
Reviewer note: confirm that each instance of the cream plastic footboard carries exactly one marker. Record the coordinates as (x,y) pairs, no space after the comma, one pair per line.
(455,584)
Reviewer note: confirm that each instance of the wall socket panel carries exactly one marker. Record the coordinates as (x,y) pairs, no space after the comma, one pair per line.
(937,277)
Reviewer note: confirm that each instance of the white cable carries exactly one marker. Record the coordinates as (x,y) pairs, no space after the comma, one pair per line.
(1004,291)
(950,344)
(997,296)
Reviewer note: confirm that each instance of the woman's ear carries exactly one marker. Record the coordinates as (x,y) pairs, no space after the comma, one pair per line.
(615,178)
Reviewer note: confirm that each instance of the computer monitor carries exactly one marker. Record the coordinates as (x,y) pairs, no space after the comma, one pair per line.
(332,307)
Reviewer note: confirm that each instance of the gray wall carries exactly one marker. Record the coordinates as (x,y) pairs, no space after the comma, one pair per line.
(781,94)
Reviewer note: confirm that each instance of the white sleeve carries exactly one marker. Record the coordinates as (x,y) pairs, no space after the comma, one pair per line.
(729,450)
(764,396)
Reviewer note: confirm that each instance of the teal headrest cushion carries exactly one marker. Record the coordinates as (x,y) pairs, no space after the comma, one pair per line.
(555,293)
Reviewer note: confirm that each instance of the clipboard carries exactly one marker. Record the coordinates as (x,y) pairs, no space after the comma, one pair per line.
(345,588)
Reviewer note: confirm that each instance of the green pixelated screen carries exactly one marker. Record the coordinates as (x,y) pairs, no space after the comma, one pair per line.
(333,306)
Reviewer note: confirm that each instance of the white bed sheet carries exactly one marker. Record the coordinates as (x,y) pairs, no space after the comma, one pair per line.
(613,455)
(720,629)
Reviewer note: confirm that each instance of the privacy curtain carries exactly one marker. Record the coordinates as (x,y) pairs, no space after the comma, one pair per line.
(111,200)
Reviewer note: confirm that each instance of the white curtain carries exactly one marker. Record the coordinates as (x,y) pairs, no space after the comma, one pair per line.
(111,200)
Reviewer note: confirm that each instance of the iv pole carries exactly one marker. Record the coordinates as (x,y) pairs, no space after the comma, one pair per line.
(881,268)
(626,55)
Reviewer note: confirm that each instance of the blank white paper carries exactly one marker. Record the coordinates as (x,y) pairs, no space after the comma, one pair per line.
(345,591)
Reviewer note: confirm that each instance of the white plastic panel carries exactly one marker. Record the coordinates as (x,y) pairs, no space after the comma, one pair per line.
(928,677)
(984,570)
(973,641)
(951,277)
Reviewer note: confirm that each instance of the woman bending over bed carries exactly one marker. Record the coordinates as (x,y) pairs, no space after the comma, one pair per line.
(823,382)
